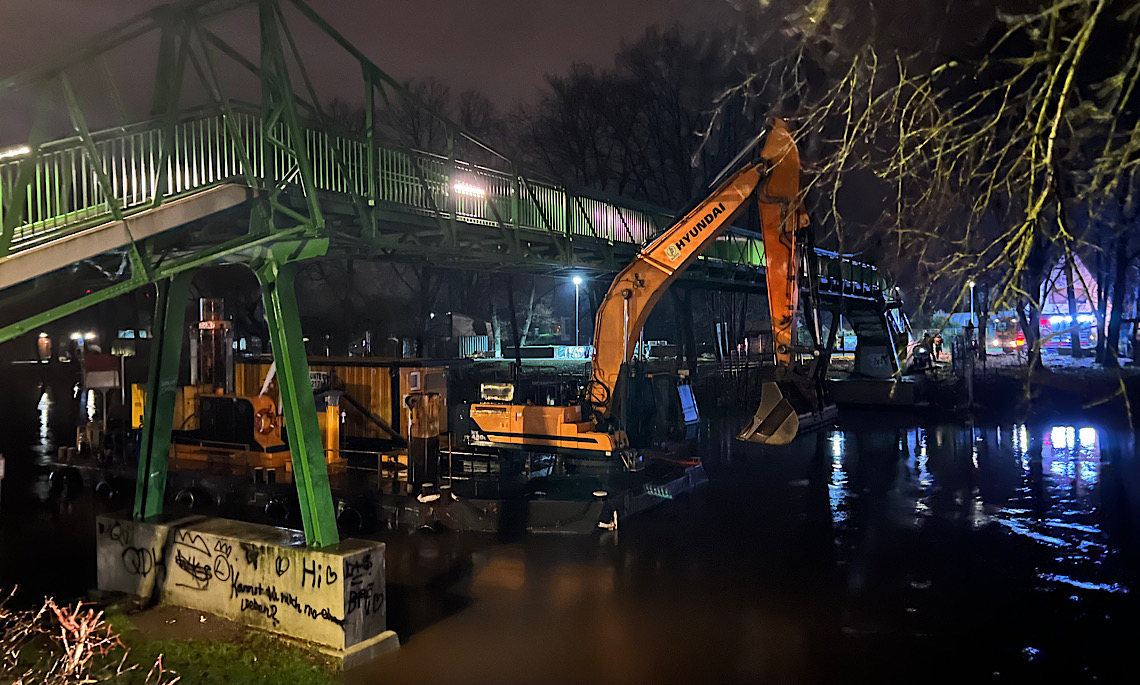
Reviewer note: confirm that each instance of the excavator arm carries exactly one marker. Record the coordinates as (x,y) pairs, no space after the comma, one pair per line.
(774,182)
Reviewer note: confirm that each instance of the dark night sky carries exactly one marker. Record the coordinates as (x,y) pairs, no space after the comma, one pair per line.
(502,48)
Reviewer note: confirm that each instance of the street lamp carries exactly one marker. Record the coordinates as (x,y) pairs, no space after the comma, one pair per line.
(577,283)
(971,284)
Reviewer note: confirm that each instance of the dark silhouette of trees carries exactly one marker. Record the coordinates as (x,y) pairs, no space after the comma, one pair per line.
(643,128)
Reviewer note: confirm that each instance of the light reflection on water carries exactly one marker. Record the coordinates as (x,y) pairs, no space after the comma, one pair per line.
(837,487)
(89,405)
(1039,484)
(46,444)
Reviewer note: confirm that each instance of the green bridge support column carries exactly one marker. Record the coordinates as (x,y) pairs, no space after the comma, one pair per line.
(161,393)
(310,470)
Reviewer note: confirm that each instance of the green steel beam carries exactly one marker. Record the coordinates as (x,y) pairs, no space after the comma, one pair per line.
(161,394)
(97,163)
(278,105)
(245,248)
(310,470)
(31,323)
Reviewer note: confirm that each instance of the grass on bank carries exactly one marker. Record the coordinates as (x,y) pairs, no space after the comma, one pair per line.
(81,643)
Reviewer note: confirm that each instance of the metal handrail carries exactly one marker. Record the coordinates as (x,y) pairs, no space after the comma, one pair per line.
(65,196)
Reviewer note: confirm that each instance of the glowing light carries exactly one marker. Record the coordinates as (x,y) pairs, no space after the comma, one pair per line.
(577,280)
(88,336)
(1062,437)
(1087,435)
(77,336)
(44,405)
(468,189)
(837,442)
(43,335)
(1081,318)
(18,151)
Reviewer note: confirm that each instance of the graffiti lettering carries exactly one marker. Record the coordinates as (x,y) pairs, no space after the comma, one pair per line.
(192,540)
(290,599)
(310,574)
(366,599)
(138,561)
(222,547)
(200,574)
(120,534)
(354,571)
(323,613)
(282,566)
(222,568)
(239,588)
(267,610)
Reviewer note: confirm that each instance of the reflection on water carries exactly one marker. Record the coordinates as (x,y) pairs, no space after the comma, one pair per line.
(876,553)
(869,552)
(1041,484)
(44,448)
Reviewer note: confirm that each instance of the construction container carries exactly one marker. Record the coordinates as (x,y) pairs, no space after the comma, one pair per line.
(373,382)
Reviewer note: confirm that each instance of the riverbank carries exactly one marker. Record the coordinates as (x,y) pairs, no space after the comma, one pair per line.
(121,643)
(1064,387)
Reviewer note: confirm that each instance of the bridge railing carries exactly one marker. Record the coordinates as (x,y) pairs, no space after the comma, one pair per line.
(70,188)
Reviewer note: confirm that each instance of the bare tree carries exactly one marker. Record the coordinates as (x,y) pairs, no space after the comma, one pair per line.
(982,163)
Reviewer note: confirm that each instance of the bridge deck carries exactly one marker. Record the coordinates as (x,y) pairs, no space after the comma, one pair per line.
(430,194)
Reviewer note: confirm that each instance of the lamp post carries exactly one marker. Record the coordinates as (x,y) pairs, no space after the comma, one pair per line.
(577,283)
(971,284)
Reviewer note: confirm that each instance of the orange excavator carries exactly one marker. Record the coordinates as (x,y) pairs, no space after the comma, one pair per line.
(600,423)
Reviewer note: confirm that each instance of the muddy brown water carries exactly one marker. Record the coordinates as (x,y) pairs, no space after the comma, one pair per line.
(888,548)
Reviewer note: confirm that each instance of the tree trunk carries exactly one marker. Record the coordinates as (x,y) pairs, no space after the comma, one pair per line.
(683,311)
(1071,294)
(514,324)
(1112,343)
(496,330)
(529,313)
(1101,306)
(1032,279)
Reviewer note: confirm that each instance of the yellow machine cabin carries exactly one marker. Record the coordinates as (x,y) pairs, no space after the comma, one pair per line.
(230,418)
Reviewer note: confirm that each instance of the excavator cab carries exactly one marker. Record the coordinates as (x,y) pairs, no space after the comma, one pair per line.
(653,404)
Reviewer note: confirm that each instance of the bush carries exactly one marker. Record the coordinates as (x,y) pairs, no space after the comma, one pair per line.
(67,644)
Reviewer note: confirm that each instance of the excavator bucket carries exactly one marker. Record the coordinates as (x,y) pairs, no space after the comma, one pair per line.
(776,421)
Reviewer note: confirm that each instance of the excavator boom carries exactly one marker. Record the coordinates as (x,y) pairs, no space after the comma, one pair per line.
(775,184)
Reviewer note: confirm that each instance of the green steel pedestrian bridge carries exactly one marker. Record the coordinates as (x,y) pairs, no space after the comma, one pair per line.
(207,178)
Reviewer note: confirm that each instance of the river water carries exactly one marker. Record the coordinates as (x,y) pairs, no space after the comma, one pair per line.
(889,548)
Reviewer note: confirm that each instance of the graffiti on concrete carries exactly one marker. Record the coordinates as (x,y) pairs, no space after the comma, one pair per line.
(278,587)
(316,574)
(198,574)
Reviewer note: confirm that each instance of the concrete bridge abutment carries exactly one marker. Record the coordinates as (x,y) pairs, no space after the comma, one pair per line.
(334,597)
